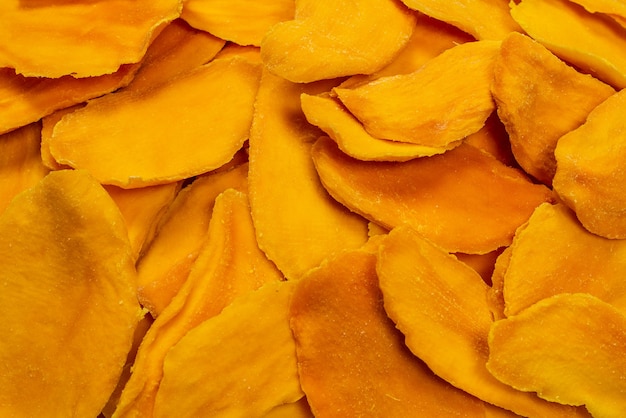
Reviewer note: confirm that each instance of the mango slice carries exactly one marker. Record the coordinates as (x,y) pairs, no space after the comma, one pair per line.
(329,39)
(68,298)
(442,102)
(463,200)
(244,360)
(586,40)
(589,176)
(162,135)
(229,264)
(483,19)
(47,127)
(298,409)
(494,139)
(615,9)
(495,294)
(244,22)
(351,359)
(449,330)
(573,352)
(289,204)
(85,38)
(534,92)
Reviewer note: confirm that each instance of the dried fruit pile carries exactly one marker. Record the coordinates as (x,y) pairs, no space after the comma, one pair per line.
(312,208)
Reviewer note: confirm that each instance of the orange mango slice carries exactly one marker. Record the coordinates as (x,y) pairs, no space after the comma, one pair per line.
(341,38)
(416,107)
(573,352)
(494,139)
(495,294)
(68,298)
(47,127)
(298,409)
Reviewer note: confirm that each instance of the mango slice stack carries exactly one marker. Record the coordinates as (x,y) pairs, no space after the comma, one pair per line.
(312,208)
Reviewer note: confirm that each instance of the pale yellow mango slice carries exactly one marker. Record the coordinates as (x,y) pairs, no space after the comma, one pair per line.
(589,41)
(335,38)
(298,224)
(80,38)
(444,101)
(135,139)
(440,306)
(244,22)
(590,175)
(569,349)
(535,92)
(483,19)
(239,363)
(68,301)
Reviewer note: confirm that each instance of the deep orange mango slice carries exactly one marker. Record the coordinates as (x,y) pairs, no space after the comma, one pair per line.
(298,409)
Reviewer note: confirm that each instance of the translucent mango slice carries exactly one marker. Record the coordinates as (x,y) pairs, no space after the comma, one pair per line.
(450,327)
(85,37)
(298,224)
(244,22)
(586,40)
(20,162)
(444,101)
(334,119)
(463,200)
(244,361)
(163,267)
(229,264)
(590,175)
(483,19)
(568,348)
(534,92)
(351,359)
(335,38)
(68,298)
(135,139)
(554,254)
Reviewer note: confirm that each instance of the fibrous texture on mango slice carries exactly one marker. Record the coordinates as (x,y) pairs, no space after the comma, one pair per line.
(483,19)
(244,22)
(442,102)
(335,38)
(554,254)
(589,41)
(229,264)
(590,171)
(534,92)
(289,205)
(244,361)
(68,298)
(351,359)
(79,38)
(134,139)
(463,200)
(440,306)
(569,349)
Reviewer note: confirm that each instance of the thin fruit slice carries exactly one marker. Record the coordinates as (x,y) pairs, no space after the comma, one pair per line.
(614,8)
(569,349)
(493,139)
(299,409)
(450,327)
(68,298)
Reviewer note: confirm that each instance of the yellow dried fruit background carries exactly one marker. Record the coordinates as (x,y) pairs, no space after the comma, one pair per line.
(312,208)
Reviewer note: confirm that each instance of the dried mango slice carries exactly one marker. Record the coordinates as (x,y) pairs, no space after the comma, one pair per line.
(341,38)
(68,298)
(483,264)
(47,127)
(571,260)
(483,19)
(290,208)
(243,359)
(163,267)
(494,139)
(85,37)
(534,92)
(244,22)
(230,264)
(135,139)
(568,348)
(586,40)
(463,200)
(449,330)
(444,101)
(614,8)
(351,359)
(331,116)
(495,295)
(299,409)
(590,176)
